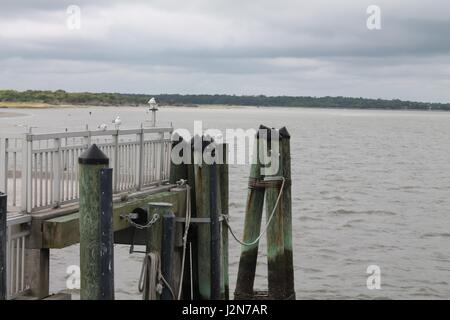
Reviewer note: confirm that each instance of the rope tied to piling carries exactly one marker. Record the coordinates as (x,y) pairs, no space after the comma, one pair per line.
(249,244)
(185,235)
(151,280)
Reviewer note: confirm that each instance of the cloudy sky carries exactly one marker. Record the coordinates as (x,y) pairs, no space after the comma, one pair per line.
(272,47)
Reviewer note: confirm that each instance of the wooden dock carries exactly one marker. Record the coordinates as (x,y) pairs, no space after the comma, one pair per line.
(56,198)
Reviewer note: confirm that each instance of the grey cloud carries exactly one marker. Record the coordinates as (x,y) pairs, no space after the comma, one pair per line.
(279,46)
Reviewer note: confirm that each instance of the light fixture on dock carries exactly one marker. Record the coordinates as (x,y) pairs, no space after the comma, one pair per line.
(153,109)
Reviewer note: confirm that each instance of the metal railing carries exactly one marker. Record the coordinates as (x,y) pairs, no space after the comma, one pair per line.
(40,171)
(17,232)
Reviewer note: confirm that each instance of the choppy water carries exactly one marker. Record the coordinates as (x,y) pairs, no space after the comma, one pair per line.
(369,188)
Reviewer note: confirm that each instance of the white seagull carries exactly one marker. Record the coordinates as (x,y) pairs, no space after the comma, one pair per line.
(102,127)
(117,122)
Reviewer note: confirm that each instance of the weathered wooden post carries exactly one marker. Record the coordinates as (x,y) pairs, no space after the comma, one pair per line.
(161,240)
(215,236)
(285,149)
(178,171)
(167,248)
(224,198)
(275,238)
(95,248)
(202,193)
(107,235)
(3,201)
(252,225)
(191,267)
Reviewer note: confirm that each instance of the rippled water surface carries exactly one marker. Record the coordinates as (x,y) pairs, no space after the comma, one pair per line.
(369,188)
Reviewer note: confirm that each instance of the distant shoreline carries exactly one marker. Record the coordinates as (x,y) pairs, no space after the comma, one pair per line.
(61,99)
(33,105)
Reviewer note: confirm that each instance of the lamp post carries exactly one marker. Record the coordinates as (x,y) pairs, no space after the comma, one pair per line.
(153,109)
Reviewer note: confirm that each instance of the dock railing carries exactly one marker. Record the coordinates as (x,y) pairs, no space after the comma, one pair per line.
(40,170)
(17,231)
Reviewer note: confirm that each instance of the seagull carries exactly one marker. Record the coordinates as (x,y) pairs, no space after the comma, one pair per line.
(102,127)
(117,122)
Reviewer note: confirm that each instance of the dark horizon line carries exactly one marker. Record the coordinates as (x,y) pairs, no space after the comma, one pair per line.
(231,95)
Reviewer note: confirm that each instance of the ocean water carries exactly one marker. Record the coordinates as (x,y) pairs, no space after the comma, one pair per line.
(368,188)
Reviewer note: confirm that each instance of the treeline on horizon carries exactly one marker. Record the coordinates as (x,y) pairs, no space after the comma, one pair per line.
(61,97)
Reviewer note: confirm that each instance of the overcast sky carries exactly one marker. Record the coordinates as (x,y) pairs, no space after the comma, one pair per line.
(272,47)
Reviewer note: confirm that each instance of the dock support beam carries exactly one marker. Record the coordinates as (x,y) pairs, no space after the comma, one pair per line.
(107,235)
(37,266)
(224,199)
(203,197)
(285,149)
(167,249)
(179,171)
(92,162)
(215,237)
(3,201)
(275,231)
(252,226)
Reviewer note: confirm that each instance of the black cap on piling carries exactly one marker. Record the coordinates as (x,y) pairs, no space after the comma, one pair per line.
(93,155)
(284,133)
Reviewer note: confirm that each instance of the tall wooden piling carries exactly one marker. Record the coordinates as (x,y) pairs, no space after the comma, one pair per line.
(91,162)
(107,235)
(224,199)
(202,193)
(3,216)
(191,267)
(285,150)
(275,238)
(252,225)
(179,171)
(216,279)
(167,249)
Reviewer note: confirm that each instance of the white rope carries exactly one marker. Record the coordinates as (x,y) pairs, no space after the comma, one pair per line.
(185,236)
(149,274)
(151,278)
(249,244)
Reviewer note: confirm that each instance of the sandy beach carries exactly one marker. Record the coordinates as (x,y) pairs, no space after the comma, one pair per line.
(10,114)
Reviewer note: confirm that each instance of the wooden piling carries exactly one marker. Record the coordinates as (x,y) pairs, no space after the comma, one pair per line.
(167,249)
(216,259)
(91,162)
(285,149)
(202,193)
(252,226)
(192,237)
(275,232)
(3,216)
(179,171)
(107,235)
(224,199)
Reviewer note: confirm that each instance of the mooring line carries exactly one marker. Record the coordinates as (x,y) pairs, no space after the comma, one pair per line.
(249,244)
(151,277)
(185,236)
